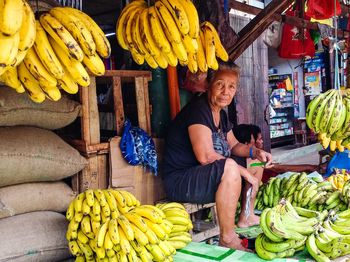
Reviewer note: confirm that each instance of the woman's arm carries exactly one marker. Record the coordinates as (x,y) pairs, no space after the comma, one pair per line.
(242,150)
(202,144)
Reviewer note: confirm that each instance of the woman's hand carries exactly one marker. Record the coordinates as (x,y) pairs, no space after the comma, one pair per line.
(263,156)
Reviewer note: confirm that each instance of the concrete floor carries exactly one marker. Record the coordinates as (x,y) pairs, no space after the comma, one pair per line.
(297,155)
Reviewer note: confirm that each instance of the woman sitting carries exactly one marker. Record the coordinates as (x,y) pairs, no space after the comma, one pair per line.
(197,165)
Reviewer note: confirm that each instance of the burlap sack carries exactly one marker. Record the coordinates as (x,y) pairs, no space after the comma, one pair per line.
(17,109)
(30,197)
(29,154)
(35,236)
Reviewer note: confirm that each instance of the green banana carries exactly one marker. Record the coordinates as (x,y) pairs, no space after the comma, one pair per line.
(276,247)
(267,231)
(317,116)
(264,254)
(311,109)
(314,251)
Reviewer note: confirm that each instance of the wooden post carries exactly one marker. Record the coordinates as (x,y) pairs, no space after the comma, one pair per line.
(173,86)
(118,104)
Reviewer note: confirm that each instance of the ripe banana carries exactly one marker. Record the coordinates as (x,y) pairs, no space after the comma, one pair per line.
(110,200)
(11,16)
(30,83)
(77,29)
(124,242)
(9,48)
(94,64)
(124,223)
(210,48)
(220,51)
(46,54)
(137,220)
(179,15)
(103,46)
(201,60)
(61,36)
(100,237)
(140,236)
(27,32)
(157,31)
(192,16)
(10,78)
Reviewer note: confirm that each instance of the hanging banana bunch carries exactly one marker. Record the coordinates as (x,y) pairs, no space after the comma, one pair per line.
(54,53)
(169,33)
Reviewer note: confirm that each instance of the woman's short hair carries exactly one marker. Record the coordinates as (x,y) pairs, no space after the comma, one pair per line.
(229,65)
(243,132)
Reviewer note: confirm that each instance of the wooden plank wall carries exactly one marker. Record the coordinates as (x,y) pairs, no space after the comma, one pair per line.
(252,96)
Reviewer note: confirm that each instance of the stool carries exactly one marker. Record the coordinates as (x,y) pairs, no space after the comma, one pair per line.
(203,230)
(300,134)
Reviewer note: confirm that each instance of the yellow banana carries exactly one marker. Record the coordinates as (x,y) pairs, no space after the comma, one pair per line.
(70,211)
(165,227)
(137,220)
(177,244)
(139,235)
(82,237)
(38,70)
(103,46)
(115,213)
(89,195)
(100,252)
(77,29)
(165,249)
(146,36)
(180,52)
(111,255)
(210,49)
(171,58)
(30,83)
(157,229)
(10,78)
(73,225)
(78,202)
(108,244)
(85,226)
(176,212)
(94,64)
(201,60)
(124,242)
(157,31)
(122,257)
(27,31)
(169,26)
(148,213)
(110,200)
(61,36)
(179,228)
(100,197)
(121,23)
(74,248)
(86,249)
(95,226)
(46,54)
(161,61)
(18,59)
(106,210)
(220,51)
(190,44)
(156,252)
(132,257)
(119,197)
(67,84)
(192,63)
(74,67)
(100,237)
(128,197)
(192,16)
(179,14)
(113,231)
(125,225)
(8,48)
(152,237)
(86,208)
(11,16)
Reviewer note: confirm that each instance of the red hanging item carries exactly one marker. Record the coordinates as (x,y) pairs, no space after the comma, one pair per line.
(322,9)
(296,42)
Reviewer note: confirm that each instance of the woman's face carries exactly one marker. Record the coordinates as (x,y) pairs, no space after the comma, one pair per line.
(223,88)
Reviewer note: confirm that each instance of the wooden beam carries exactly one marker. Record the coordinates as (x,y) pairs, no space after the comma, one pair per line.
(256,27)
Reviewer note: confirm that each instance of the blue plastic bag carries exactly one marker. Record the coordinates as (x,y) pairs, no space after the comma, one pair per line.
(138,148)
(340,160)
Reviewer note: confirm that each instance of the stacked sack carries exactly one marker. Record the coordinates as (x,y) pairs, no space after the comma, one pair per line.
(33,162)
(47,55)
(169,33)
(112,225)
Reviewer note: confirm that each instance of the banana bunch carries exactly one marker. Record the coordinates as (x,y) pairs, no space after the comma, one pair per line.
(169,33)
(178,216)
(331,239)
(329,115)
(338,179)
(345,193)
(112,225)
(285,230)
(17,35)
(65,41)
(301,192)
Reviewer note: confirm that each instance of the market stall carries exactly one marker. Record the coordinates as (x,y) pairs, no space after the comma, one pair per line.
(80,149)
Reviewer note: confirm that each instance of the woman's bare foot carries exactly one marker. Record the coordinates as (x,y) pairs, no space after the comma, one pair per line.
(252,220)
(235,243)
